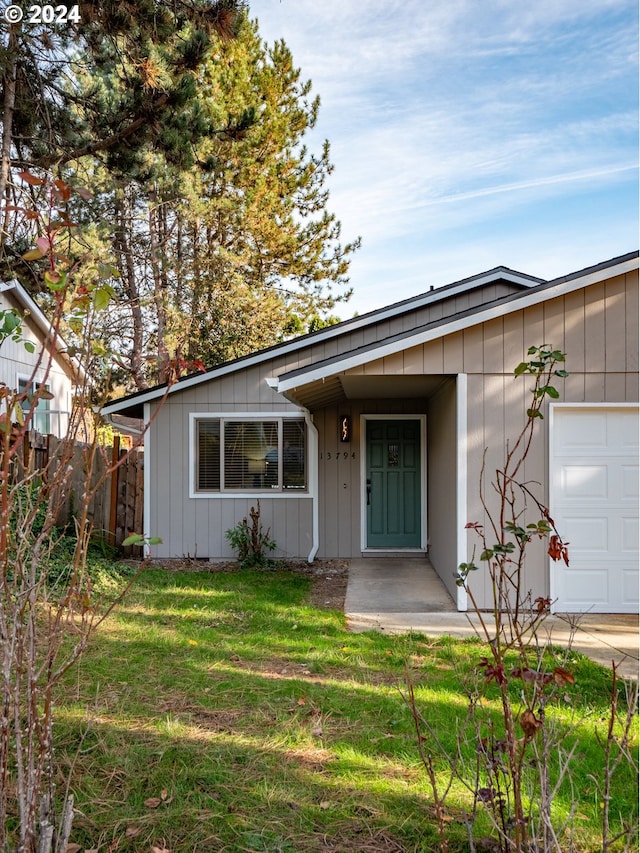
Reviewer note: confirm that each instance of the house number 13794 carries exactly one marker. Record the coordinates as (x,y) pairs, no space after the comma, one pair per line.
(337,455)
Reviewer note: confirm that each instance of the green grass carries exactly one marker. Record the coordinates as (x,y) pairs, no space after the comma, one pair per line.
(218,711)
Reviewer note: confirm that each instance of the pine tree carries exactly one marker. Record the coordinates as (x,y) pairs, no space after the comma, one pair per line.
(262,251)
(118,84)
(214,210)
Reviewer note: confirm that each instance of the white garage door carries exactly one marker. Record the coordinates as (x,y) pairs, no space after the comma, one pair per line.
(594,502)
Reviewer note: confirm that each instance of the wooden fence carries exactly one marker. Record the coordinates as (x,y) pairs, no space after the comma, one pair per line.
(116,505)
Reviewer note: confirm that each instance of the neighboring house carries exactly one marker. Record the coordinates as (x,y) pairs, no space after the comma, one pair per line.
(21,370)
(368,437)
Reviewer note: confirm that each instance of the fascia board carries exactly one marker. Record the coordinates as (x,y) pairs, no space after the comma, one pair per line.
(335,331)
(526,300)
(435,295)
(182,385)
(345,327)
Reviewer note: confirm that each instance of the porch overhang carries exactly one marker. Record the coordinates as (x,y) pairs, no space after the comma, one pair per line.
(332,390)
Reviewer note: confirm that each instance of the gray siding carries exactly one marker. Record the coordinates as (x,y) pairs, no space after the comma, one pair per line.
(195,527)
(596,326)
(442,483)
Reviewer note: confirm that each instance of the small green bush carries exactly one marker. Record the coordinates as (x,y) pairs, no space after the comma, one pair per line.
(251,542)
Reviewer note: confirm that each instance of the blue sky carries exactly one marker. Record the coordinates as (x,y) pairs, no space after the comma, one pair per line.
(467,134)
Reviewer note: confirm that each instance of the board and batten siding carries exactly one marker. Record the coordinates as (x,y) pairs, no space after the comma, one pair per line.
(195,527)
(341,469)
(597,326)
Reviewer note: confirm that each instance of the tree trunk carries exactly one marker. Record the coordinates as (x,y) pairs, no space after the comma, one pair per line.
(9,87)
(128,272)
(159,285)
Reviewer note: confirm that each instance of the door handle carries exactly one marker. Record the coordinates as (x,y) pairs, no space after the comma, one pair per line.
(368,492)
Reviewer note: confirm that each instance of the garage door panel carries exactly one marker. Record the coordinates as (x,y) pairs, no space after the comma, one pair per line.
(593,587)
(587,585)
(594,500)
(586,482)
(592,434)
(630,588)
(630,535)
(585,534)
(624,431)
(629,483)
(589,531)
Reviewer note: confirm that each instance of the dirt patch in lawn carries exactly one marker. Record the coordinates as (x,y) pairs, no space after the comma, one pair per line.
(328,577)
(329,583)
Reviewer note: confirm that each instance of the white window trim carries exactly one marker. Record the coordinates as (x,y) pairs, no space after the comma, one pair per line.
(32,382)
(257,494)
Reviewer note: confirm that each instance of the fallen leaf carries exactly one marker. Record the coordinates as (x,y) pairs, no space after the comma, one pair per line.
(325,804)
(73,848)
(302,701)
(133,831)
(155,849)
(562,676)
(152,802)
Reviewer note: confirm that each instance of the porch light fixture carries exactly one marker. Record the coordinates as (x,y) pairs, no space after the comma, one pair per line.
(345,428)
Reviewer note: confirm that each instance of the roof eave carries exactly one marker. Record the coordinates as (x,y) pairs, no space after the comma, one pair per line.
(26,303)
(131,405)
(288,382)
(133,402)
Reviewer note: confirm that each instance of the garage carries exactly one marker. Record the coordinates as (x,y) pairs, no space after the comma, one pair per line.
(593,460)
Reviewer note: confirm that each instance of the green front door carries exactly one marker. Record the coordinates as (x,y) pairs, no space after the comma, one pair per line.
(393,484)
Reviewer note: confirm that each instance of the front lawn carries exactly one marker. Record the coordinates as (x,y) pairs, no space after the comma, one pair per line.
(221,711)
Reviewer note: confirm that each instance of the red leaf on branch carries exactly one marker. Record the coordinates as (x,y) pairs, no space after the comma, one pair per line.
(542,604)
(491,672)
(28,178)
(558,549)
(529,723)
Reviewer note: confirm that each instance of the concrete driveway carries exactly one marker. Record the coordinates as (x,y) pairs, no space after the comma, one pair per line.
(401,595)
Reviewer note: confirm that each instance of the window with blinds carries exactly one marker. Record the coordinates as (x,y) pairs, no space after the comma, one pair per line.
(208,467)
(250,455)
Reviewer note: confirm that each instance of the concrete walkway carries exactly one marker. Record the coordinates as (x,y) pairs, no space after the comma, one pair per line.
(401,595)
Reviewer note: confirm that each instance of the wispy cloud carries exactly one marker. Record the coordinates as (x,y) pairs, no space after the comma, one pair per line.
(451,115)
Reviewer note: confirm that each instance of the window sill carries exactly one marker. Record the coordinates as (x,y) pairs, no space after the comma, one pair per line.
(253,495)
